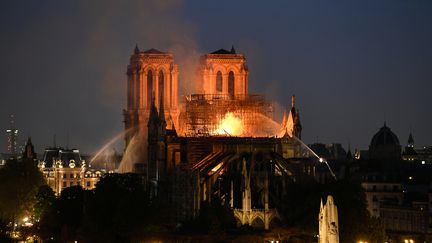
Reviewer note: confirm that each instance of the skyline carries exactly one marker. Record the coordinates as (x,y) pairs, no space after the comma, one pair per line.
(352,66)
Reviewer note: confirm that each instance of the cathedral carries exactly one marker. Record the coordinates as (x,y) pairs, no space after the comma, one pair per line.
(218,143)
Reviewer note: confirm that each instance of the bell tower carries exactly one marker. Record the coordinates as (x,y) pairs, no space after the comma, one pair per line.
(223,73)
(150,73)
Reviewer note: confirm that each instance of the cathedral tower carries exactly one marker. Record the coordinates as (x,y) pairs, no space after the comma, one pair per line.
(223,72)
(150,72)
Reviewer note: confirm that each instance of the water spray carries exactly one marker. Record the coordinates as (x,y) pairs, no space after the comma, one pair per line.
(320,159)
(108,144)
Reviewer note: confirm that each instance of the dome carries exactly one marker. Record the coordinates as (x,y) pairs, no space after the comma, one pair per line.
(384,137)
(385,145)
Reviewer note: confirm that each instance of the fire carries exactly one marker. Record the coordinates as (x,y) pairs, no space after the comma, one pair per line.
(230,125)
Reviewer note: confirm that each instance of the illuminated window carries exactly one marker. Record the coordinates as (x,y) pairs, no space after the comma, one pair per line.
(219,81)
(231,83)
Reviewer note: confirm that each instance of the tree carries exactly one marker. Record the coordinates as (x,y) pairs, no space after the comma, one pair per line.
(46,214)
(20,180)
(117,209)
(45,200)
(70,206)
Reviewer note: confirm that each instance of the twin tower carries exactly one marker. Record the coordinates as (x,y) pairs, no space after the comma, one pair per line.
(152,74)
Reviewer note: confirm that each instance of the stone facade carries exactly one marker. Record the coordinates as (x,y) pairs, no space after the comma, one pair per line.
(151,74)
(63,168)
(223,72)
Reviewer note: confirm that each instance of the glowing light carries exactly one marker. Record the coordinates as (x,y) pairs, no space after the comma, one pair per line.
(230,125)
(25,219)
(216,168)
(321,160)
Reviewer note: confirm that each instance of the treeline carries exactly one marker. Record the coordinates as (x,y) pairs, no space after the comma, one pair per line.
(120,210)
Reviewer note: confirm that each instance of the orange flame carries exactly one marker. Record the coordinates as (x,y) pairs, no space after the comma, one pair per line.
(230,125)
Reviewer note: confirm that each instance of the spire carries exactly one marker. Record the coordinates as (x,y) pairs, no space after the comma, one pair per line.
(410,140)
(29,152)
(246,204)
(161,109)
(136,51)
(233,50)
(292,101)
(153,111)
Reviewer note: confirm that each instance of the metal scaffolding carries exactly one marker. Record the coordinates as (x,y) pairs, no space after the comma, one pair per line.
(203,112)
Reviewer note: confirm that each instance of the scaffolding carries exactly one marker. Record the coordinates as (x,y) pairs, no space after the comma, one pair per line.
(203,112)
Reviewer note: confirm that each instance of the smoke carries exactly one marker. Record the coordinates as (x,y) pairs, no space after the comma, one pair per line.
(150,24)
(187,57)
(114,33)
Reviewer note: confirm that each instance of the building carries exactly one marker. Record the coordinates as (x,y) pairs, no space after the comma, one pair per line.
(410,219)
(151,74)
(419,155)
(63,168)
(381,193)
(385,145)
(223,146)
(331,151)
(12,135)
(396,186)
(223,73)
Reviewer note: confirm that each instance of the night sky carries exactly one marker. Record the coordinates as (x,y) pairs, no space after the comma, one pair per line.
(351,64)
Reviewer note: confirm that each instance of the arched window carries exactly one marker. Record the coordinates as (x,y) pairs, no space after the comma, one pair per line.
(137,90)
(161,85)
(231,83)
(149,87)
(219,82)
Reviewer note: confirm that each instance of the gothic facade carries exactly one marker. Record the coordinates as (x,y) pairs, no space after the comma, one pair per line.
(186,162)
(151,74)
(223,72)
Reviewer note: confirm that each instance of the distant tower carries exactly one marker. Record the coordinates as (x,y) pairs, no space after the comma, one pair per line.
(29,152)
(223,72)
(328,222)
(410,141)
(409,152)
(12,135)
(149,72)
